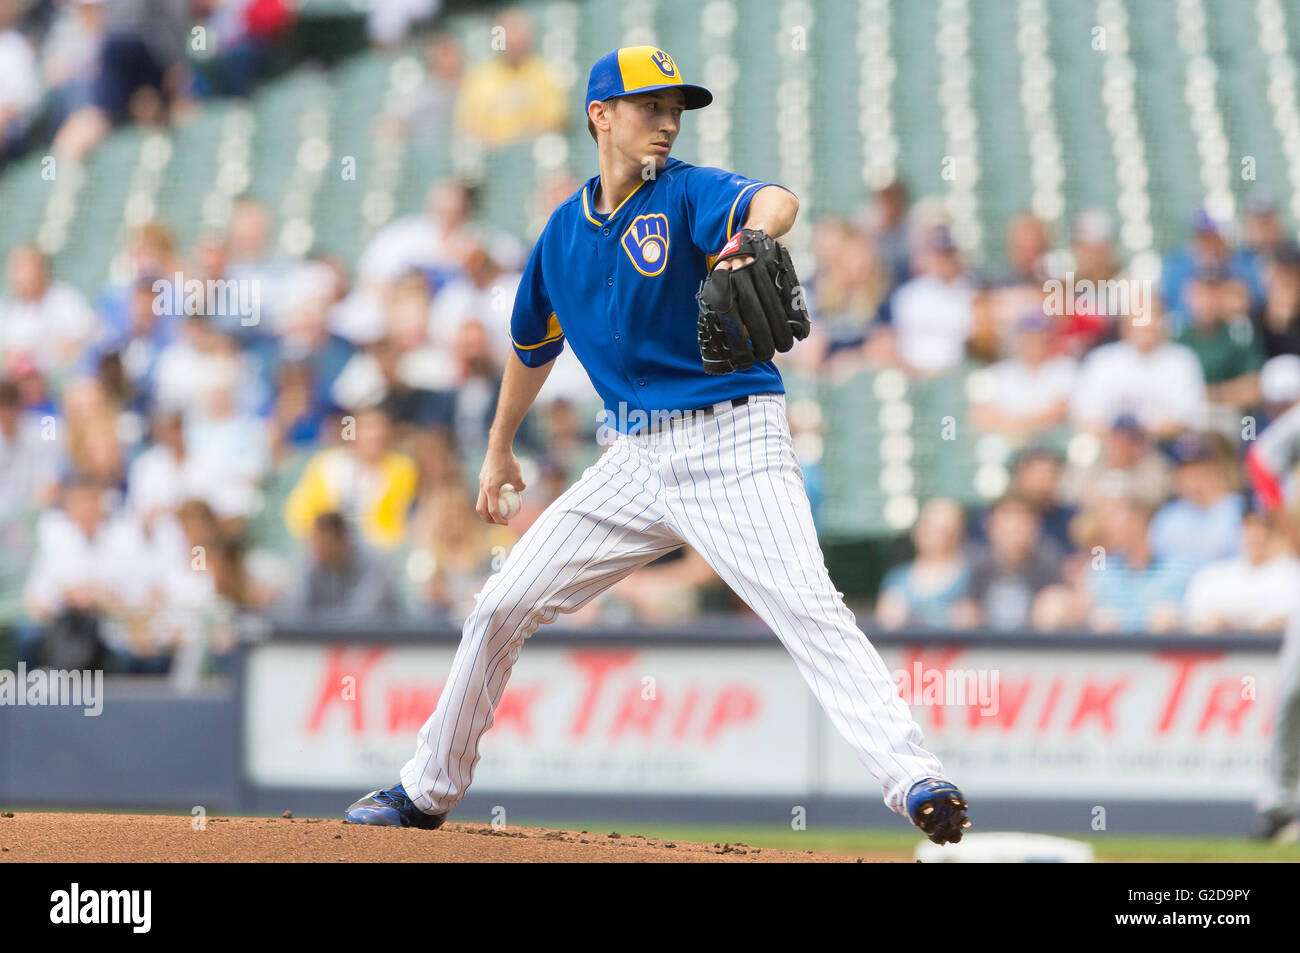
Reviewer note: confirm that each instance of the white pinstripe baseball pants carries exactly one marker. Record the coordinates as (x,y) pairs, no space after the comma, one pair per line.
(730,486)
(1283,791)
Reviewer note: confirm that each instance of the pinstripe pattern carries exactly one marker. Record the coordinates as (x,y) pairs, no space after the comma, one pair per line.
(697,481)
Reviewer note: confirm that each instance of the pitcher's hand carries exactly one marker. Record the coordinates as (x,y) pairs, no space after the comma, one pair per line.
(499,468)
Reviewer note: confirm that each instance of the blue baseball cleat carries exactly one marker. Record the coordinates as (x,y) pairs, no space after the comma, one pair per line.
(938,809)
(391,808)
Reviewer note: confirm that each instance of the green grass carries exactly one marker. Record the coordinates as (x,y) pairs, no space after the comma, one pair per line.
(901,844)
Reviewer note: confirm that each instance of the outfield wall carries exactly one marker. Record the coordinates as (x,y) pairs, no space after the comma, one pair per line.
(1043,732)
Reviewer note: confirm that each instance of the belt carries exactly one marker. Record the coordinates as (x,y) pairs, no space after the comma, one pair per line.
(699,413)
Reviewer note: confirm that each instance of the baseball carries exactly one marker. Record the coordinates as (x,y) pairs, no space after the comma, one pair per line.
(508,502)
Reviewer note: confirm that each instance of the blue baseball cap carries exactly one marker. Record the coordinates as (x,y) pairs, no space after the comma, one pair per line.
(640,69)
(1204,223)
(1127,423)
(1034,319)
(1190,447)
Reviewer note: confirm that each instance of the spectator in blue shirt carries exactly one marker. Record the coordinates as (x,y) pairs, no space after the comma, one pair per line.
(298,415)
(926,591)
(1209,248)
(305,338)
(888,223)
(1036,477)
(1263,232)
(153,263)
(1202,524)
(1130,588)
(137,345)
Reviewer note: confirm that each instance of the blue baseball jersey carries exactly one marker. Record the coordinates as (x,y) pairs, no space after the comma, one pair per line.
(620,288)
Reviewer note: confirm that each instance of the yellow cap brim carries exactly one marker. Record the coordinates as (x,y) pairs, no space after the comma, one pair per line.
(697,97)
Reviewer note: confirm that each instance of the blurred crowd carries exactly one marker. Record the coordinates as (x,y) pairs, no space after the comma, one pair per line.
(230,435)
(72,70)
(187,458)
(1132,403)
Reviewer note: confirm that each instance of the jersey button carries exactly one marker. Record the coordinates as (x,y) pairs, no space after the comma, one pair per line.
(604,231)
(609,281)
(617,336)
(641,382)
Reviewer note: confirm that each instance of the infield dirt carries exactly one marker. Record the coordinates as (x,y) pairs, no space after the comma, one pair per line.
(115,838)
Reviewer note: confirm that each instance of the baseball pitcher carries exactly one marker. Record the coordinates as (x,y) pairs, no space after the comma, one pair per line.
(1272,466)
(669,284)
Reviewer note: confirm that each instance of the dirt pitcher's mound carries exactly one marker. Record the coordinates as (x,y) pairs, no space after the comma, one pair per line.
(138,837)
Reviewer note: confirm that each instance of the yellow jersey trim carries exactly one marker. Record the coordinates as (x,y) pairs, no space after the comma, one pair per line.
(553,333)
(731,216)
(586,208)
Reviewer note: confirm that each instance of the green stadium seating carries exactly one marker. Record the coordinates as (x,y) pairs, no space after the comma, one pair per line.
(352,93)
(349,96)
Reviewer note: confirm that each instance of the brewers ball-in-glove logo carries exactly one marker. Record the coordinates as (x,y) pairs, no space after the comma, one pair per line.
(664,62)
(646,243)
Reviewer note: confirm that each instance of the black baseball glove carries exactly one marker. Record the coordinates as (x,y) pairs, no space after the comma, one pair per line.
(749,313)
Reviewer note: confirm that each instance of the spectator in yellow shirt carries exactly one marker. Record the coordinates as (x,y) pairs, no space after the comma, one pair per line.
(372,484)
(513,94)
